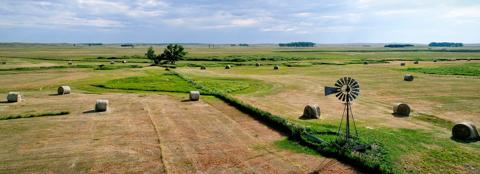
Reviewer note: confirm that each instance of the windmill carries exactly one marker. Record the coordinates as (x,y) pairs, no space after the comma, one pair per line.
(346,90)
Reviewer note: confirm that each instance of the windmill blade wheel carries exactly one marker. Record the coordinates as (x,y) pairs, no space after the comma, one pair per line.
(349,89)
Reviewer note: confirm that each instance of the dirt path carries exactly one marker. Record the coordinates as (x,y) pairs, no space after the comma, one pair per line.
(145,133)
(216,138)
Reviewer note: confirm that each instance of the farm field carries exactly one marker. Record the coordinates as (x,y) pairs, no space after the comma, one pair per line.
(151,127)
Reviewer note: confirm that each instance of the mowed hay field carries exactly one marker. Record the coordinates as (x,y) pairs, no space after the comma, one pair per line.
(151,127)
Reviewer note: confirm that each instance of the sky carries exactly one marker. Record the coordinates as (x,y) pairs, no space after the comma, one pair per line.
(239,21)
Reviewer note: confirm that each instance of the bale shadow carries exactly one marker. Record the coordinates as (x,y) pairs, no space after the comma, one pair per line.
(465,141)
(400,115)
(53,94)
(188,100)
(303,117)
(89,111)
(6,102)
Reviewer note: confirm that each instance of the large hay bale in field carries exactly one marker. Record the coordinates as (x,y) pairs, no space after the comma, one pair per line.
(63,90)
(70,63)
(416,62)
(124,61)
(408,77)
(435,60)
(311,111)
(365,62)
(203,68)
(112,62)
(464,131)
(402,64)
(101,105)
(228,67)
(401,109)
(276,67)
(194,95)
(14,97)
(257,64)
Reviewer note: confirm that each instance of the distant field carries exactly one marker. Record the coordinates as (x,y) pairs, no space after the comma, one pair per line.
(144,96)
(237,54)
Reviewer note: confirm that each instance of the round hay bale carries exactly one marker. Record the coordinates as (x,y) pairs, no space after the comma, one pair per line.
(401,109)
(258,64)
(276,67)
(435,60)
(70,63)
(63,90)
(311,111)
(112,62)
(14,97)
(203,68)
(124,61)
(416,62)
(464,131)
(228,67)
(194,95)
(408,77)
(365,62)
(101,105)
(402,64)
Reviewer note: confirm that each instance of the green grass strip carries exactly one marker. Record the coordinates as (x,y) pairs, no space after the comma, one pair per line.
(9,117)
(374,160)
(466,69)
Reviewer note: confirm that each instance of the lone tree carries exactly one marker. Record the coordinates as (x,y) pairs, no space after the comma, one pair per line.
(151,55)
(172,53)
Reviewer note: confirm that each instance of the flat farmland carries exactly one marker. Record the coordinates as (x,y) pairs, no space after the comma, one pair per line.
(152,127)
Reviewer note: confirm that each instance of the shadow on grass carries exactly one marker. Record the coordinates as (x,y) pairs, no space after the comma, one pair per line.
(90,111)
(400,115)
(465,141)
(188,100)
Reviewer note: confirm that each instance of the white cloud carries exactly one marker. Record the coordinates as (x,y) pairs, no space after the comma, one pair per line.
(303,14)
(243,22)
(464,12)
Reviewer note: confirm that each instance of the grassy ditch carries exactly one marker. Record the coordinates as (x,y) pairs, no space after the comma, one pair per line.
(373,160)
(95,67)
(8,117)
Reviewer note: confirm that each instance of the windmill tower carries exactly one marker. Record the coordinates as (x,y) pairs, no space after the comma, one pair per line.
(346,90)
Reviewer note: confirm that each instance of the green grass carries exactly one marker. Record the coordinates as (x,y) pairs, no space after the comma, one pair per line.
(113,67)
(8,117)
(294,146)
(95,67)
(434,120)
(170,82)
(466,69)
(425,151)
(167,82)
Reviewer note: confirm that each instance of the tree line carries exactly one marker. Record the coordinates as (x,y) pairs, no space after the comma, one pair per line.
(297,44)
(398,45)
(445,44)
